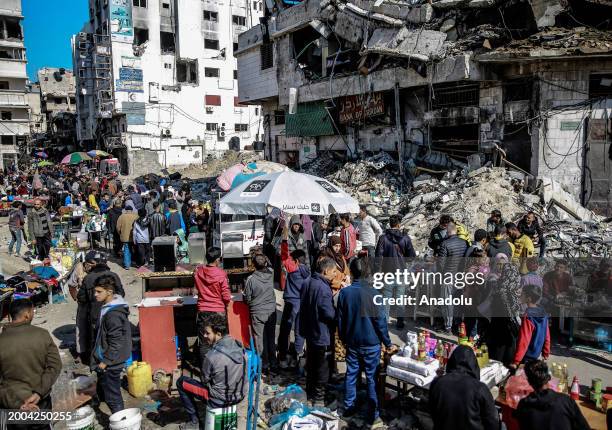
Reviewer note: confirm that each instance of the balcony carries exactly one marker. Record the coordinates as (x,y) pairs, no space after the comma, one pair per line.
(12,99)
(15,127)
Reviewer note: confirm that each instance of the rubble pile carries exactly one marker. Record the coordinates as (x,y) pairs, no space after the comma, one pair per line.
(214,165)
(373,181)
(570,230)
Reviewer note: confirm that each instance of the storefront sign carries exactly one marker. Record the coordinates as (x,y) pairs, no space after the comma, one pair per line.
(122,29)
(358,108)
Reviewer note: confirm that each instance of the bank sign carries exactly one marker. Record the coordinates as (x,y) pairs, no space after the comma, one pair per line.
(358,108)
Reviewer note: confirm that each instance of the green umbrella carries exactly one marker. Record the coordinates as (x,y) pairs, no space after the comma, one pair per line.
(76,158)
(44,163)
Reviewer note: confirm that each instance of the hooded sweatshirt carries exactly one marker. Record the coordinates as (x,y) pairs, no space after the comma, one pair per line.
(259,293)
(500,246)
(213,289)
(394,246)
(458,400)
(223,373)
(534,336)
(296,275)
(113,335)
(548,410)
(141,230)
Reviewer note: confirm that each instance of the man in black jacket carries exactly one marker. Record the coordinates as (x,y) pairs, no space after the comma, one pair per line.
(451,254)
(438,234)
(88,309)
(113,342)
(530,226)
(544,408)
(458,400)
(392,249)
(113,215)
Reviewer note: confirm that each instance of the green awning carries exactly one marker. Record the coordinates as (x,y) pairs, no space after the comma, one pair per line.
(311,119)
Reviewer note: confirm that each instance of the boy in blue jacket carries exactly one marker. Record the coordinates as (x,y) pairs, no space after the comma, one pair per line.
(362,327)
(534,335)
(315,326)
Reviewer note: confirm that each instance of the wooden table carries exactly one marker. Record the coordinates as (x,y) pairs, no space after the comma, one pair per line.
(595,418)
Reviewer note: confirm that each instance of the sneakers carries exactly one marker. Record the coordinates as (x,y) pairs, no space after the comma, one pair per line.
(377,424)
(190,425)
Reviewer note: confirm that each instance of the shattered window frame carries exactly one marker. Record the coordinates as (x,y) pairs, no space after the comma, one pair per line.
(139,3)
(239,20)
(187,71)
(212,72)
(266,54)
(164,42)
(596,89)
(213,16)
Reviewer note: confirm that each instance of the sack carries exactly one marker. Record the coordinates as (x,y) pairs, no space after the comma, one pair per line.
(517,388)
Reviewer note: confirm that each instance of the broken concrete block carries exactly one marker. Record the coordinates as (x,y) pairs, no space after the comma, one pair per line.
(483,3)
(553,194)
(415,202)
(545,11)
(447,24)
(446,198)
(416,44)
(477,172)
(530,199)
(349,26)
(430,197)
(450,4)
(421,14)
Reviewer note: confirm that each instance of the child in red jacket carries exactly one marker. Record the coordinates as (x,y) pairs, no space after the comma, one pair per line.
(534,335)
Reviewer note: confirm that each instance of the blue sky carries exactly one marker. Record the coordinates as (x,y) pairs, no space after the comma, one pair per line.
(48,26)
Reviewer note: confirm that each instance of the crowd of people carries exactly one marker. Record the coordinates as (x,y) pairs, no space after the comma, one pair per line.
(323,274)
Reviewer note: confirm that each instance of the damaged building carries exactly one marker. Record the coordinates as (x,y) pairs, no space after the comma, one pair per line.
(157,81)
(441,84)
(58,105)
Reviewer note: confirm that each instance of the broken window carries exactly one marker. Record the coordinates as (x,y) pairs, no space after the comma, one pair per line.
(211,126)
(211,44)
(235,74)
(59,100)
(6,140)
(517,89)
(279,117)
(139,3)
(141,35)
(238,20)
(241,127)
(600,85)
(6,115)
(167,65)
(235,47)
(12,29)
(211,72)
(266,53)
(307,51)
(456,94)
(4,85)
(209,15)
(165,5)
(11,53)
(166,40)
(187,71)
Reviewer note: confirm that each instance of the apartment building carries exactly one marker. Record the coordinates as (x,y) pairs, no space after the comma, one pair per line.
(14,111)
(157,80)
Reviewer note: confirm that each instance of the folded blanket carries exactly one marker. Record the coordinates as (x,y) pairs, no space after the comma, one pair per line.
(411,378)
(423,368)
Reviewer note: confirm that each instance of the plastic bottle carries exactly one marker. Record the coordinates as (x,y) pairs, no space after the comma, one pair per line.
(575,391)
(485,353)
(440,352)
(422,348)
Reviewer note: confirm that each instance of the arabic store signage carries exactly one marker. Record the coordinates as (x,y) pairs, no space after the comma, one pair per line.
(358,108)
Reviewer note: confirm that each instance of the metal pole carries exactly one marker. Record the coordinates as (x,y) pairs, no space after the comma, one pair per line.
(398,130)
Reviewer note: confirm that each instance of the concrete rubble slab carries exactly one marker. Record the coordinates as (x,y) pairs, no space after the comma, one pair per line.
(417,44)
(546,11)
(349,27)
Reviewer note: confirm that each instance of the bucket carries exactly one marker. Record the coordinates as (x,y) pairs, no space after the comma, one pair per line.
(221,418)
(127,419)
(82,419)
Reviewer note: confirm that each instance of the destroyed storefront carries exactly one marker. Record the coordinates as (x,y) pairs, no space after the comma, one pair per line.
(521,84)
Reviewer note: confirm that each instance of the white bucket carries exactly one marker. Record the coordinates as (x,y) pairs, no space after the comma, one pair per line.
(127,419)
(221,418)
(83,419)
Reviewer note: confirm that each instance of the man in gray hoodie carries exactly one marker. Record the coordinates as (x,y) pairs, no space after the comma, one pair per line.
(259,295)
(223,374)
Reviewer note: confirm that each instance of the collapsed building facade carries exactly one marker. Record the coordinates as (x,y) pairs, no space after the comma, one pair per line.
(439,84)
(58,105)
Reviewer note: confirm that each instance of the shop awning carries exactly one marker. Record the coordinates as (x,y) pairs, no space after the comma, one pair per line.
(311,119)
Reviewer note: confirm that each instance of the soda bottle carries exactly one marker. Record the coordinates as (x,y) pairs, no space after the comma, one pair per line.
(485,353)
(422,348)
(440,352)
(462,331)
(575,391)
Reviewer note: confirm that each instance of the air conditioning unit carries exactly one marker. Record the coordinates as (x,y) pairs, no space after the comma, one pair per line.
(82,35)
(167,132)
(209,109)
(221,132)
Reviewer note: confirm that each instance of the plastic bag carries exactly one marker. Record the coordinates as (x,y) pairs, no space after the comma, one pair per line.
(283,400)
(517,388)
(296,409)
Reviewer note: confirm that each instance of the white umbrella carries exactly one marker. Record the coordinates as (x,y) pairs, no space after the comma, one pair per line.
(291,192)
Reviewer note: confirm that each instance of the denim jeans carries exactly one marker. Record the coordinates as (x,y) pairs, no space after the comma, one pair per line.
(395,291)
(447,311)
(127,255)
(368,358)
(15,240)
(109,389)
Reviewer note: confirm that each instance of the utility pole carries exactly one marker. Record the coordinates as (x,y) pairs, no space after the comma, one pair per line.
(398,130)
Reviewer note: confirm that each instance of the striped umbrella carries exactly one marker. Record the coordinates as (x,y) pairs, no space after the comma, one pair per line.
(97,153)
(75,158)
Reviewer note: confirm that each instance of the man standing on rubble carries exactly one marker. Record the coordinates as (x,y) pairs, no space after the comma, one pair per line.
(494,220)
(523,246)
(391,251)
(438,234)
(369,231)
(529,225)
(451,252)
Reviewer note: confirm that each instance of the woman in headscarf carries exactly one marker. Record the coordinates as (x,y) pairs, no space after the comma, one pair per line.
(333,250)
(505,307)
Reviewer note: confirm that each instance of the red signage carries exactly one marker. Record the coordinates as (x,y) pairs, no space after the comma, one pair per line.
(358,108)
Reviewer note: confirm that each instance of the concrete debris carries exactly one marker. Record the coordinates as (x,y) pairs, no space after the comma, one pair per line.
(421,45)
(545,11)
